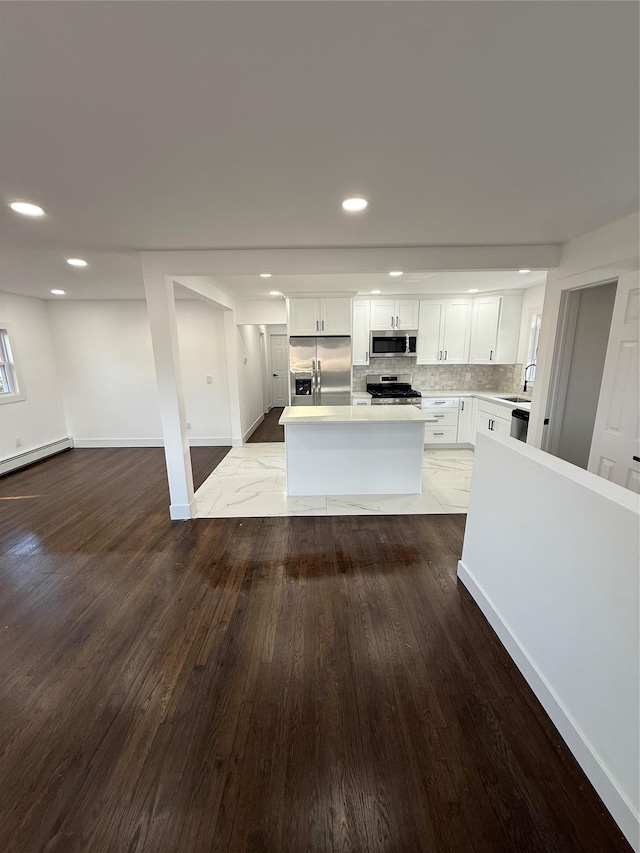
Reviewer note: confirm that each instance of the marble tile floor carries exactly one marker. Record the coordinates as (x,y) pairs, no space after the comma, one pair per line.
(251,482)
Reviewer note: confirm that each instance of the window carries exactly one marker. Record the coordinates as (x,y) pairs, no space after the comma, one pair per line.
(534,339)
(8,378)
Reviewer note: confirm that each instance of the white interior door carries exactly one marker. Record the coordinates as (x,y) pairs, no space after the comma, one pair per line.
(279,371)
(615,449)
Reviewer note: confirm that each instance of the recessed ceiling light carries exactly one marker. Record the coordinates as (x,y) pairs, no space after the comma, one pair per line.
(76,262)
(472,290)
(396,273)
(26,208)
(376,291)
(265,275)
(274,293)
(58,292)
(355,204)
(523,272)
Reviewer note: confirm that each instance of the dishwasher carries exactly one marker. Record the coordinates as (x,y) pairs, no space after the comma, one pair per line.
(519,424)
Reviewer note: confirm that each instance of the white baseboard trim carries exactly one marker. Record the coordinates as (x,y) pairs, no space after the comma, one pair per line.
(182,512)
(254,426)
(213,441)
(614,799)
(13,463)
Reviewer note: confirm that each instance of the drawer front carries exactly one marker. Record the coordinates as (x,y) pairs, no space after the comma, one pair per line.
(446,435)
(446,417)
(358,402)
(440,402)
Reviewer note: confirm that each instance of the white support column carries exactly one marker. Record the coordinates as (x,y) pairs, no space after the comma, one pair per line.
(231,349)
(164,336)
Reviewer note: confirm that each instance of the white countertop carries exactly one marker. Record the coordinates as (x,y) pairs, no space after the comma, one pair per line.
(353,415)
(490,396)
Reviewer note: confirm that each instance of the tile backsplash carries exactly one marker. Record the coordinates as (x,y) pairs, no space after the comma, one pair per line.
(432,377)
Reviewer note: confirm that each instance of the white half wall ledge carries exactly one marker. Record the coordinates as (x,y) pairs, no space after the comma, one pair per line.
(551,557)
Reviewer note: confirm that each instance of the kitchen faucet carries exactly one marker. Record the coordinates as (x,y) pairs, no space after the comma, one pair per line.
(533,364)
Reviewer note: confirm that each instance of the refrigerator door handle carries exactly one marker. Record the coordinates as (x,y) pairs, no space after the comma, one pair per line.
(319,383)
(314,382)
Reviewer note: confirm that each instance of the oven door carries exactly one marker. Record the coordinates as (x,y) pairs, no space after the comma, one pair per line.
(393,344)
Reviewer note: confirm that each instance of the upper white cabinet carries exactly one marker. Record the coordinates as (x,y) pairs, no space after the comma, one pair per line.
(399,314)
(304,316)
(361,328)
(443,331)
(484,330)
(326,316)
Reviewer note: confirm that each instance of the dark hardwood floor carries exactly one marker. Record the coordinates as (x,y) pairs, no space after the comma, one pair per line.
(276,685)
(269,429)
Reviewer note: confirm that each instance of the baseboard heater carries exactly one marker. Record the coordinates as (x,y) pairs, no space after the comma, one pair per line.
(31,456)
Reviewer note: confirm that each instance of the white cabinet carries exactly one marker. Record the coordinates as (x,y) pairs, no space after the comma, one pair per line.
(466,421)
(493,419)
(443,331)
(327,316)
(361,328)
(445,411)
(484,330)
(394,314)
(335,315)
(304,316)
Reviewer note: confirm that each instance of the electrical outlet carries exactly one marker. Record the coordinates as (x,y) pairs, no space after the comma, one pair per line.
(467,376)
(18,441)
(188,424)
(209,380)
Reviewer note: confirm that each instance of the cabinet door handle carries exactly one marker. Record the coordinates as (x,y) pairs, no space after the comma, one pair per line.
(439,416)
(490,422)
(462,405)
(440,355)
(445,355)
(317,326)
(323,325)
(366,356)
(438,433)
(397,323)
(392,322)
(636,458)
(491,356)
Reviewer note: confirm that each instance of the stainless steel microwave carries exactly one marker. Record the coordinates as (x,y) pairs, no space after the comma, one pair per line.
(393,344)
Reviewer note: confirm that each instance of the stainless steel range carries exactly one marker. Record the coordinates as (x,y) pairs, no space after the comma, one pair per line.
(393,390)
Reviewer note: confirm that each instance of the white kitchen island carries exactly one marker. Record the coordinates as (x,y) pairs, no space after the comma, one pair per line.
(354,450)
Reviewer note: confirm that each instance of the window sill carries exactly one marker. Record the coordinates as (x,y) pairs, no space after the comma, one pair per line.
(12,398)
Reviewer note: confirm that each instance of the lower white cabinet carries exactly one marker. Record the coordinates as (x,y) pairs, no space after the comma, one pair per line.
(467,414)
(445,411)
(493,419)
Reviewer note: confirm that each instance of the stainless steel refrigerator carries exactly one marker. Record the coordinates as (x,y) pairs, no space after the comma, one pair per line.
(320,371)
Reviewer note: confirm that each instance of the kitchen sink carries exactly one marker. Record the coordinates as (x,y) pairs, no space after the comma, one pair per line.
(515,399)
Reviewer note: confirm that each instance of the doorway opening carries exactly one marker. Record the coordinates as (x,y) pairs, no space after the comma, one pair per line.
(581,348)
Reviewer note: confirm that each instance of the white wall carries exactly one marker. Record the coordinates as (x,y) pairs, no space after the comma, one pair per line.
(108,375)
(261,311)
(592,258)
(39,419)
(551,557)
(249,378)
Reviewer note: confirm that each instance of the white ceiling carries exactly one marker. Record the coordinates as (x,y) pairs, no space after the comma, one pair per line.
(222,125)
